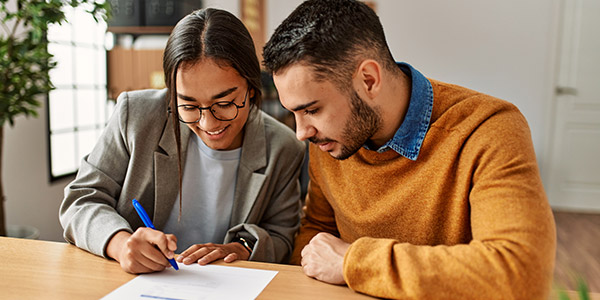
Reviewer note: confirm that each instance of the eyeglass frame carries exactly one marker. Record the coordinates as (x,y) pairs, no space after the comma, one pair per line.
(200,109)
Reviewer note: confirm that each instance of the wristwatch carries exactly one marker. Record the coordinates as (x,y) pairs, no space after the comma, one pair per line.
(244,243)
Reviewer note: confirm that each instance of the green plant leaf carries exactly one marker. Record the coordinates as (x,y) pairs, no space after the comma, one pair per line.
(562,295)
(582,289)
(24,60)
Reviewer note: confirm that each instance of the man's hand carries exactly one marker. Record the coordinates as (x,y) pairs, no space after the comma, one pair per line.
(323,258)
(206,253)
(144,251)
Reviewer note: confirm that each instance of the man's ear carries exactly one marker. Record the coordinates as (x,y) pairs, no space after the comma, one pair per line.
(369,77)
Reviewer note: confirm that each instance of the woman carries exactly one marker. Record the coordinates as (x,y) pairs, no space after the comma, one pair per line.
(218,177)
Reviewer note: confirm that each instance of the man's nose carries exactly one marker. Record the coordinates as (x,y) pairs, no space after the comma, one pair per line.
(304,130)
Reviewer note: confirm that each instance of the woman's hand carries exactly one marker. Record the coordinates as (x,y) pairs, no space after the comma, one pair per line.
(144,251)
(206,253)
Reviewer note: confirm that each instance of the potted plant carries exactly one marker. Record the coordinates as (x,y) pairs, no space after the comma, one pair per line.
(582,292)
(24,59)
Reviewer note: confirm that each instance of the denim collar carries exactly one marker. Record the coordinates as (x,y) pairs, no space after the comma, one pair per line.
(409,137)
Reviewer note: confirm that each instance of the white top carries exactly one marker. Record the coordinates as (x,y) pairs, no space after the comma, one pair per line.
(209,178)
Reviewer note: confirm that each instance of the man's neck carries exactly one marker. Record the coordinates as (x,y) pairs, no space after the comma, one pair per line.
(393,105)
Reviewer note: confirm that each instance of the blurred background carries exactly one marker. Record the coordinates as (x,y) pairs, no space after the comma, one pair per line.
(541,55)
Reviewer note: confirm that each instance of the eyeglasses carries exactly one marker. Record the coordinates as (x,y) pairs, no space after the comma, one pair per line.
(222,111)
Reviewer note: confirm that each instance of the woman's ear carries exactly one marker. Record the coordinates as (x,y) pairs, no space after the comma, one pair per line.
(251,93)
(369,77)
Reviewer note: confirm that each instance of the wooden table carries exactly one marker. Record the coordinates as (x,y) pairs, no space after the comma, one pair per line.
(50,270)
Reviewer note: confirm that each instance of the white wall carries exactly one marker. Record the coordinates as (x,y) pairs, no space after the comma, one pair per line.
(232,6)
(277,11)
(503,48)
(30,198)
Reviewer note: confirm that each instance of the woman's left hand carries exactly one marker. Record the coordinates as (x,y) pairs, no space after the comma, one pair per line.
(206,253)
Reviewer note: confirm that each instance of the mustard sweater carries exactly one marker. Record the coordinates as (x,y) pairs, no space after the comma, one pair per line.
(468,219)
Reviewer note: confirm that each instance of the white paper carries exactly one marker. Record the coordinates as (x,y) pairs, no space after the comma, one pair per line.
(196,282)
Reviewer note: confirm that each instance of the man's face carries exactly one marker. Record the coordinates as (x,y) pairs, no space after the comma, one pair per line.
(333,120)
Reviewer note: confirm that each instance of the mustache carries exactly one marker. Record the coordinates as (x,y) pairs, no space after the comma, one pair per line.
(315,140)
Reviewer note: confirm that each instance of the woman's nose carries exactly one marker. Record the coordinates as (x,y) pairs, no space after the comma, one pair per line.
(208,121)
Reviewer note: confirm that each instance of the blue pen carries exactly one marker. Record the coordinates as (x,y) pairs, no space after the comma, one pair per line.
(140,210)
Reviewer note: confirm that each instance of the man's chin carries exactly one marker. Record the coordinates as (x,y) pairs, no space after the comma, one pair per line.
(339,157)
(343,154)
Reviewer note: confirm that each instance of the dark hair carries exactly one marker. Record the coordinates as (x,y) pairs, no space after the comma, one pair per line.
(332,36)
(209,34)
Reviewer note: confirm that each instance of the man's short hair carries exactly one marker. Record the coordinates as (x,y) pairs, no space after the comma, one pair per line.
(332,36)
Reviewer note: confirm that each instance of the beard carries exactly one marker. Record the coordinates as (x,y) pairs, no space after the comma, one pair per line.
(362,124)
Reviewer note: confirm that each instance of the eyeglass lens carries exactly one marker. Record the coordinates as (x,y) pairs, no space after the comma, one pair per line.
(224,111)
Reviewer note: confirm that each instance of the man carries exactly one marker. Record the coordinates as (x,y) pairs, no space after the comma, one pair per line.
(418,188)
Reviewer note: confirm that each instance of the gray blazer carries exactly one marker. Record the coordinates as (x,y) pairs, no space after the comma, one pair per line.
(136,157)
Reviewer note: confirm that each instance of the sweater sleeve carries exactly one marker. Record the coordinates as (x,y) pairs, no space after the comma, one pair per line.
(511,254)
(318,213)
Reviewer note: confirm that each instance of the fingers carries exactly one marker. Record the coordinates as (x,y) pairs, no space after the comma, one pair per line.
(156,240)
(136,262)
(202,254)
(305,250)
(206,253)
(231,257)
(309,268)
(171,246)
(212,256)
(193,253)
(142,254)
(166,243)
(193,249)
(323,238)
(323,258)
(311,263)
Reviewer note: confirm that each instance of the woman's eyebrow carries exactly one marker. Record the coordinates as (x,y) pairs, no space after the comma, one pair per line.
(223,93)
(215,97)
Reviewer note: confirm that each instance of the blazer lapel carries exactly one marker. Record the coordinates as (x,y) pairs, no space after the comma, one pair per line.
(166,173)
(252,162)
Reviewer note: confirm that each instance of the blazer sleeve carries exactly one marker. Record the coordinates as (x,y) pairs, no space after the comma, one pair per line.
(275,216)
(274,233)
(88,211)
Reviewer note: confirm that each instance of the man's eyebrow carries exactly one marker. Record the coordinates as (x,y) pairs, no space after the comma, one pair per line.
(303,106)
(215,97)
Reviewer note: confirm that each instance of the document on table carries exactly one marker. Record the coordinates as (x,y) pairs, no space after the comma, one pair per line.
(196,282)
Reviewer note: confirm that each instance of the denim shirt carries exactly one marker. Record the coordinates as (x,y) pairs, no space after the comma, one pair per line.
(409,137)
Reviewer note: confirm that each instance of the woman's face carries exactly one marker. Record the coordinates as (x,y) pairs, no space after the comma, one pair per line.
(205,83)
